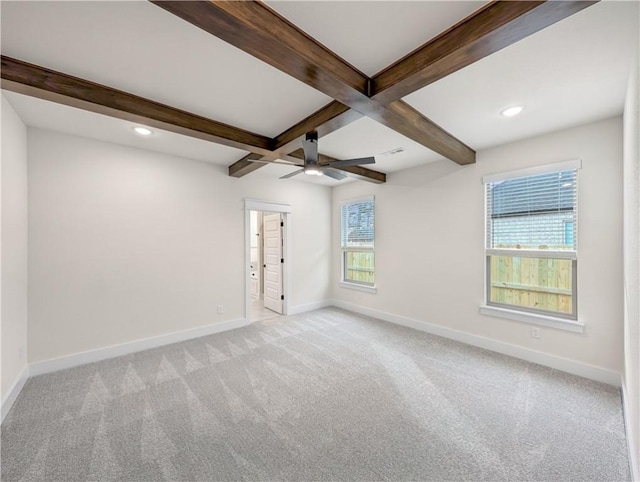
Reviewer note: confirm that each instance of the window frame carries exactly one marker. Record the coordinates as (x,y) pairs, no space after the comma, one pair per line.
(565,321)
(353,284)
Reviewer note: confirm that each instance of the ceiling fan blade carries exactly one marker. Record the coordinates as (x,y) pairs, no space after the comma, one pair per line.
(351,162)
(338,176)
(294,173)
(310,147)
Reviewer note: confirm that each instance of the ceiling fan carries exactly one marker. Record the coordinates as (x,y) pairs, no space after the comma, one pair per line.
(313,167)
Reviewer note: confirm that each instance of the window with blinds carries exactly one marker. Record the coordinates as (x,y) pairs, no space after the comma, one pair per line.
(531,240)
(357,240)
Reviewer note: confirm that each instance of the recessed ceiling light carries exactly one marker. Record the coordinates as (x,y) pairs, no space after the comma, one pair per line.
(143,131)
(511,111)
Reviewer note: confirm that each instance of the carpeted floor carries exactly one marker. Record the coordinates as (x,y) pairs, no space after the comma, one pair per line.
(327,395)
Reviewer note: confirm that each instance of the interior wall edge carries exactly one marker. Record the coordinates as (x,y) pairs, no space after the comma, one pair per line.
(632,446)
(15,390)
(567,365)
(14,248)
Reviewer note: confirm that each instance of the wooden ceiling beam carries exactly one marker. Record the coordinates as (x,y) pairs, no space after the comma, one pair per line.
(259,31)
(490,29)
(441,140)
(244,166)
(330,118)
(36,81)
(364,174)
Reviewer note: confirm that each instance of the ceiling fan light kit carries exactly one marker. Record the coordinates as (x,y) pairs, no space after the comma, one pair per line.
(312,171)
(311,162)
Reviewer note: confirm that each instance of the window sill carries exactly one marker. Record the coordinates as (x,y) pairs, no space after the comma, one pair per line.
(533,318)
(357,287)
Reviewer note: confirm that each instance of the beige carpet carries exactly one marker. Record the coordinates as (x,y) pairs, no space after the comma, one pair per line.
(327,395)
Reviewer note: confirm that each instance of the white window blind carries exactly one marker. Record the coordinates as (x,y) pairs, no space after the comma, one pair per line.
(358,224)
(537,212)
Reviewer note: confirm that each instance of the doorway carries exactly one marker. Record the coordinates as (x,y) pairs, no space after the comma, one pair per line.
(267,260)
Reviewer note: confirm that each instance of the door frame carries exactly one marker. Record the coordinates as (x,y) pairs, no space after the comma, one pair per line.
(271,207)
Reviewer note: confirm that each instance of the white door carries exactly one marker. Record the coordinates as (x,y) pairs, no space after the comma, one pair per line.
(272,232)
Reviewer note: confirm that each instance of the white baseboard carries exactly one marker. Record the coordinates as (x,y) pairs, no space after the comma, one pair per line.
(585,370)
(296,310)
(113,351)
(77,359)
(11,397)
(632,444)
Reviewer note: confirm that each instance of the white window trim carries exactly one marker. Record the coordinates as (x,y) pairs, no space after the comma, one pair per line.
(532,171)
(521,315)
(533,318)
(354,285)
(358,287)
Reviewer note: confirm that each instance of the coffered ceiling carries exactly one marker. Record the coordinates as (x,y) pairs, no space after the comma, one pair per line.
(239,78)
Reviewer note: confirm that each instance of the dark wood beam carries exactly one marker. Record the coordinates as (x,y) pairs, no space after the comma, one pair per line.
(244,166)
(441,141)
(490,29)
(330,118)
(256,29)
(29,79)
(365,174)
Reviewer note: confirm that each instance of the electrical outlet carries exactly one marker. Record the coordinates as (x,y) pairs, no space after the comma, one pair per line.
(220,309)
(535,332)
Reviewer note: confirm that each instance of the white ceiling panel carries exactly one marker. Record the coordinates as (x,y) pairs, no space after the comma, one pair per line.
(373,35)
(365,137)
(568,74)
(137,47)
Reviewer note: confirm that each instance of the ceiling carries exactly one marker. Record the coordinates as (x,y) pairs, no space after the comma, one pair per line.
(567,74)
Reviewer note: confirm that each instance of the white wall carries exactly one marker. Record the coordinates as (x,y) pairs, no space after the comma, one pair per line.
(430,242)
(14,248)
(632,258)
(127,244)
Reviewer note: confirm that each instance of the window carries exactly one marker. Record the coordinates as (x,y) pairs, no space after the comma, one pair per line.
(357,233)
(531,255)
